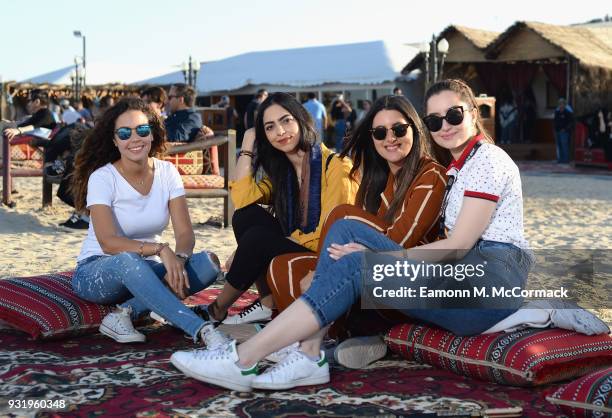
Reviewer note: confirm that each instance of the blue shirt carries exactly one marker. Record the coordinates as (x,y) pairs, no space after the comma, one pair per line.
(183,125)
(317,111)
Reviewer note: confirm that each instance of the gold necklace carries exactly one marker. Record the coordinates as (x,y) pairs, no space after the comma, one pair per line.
(140,182)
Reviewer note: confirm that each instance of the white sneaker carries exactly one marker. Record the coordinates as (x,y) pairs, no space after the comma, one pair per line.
(295,370)
(357,353)
(254,313)
(118,326)
(568,315)
(213,338)
(278,356)
(159,318)
(218,367)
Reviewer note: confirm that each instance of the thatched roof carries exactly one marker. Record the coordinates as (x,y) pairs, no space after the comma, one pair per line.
(592,46)
(480,38)
(477,37)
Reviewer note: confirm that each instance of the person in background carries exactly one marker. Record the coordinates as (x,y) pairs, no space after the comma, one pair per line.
(85,109)
(339,111)
(251,110)
(563,124)
(366,105)
(183,122)
(398,92)
(69,115)
(155,97)
(318,113)
(230,112)
(508,121)
(41,116)
(106,102)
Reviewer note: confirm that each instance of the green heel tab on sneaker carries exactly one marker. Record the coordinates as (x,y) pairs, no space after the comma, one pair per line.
(253,370)
(323,361)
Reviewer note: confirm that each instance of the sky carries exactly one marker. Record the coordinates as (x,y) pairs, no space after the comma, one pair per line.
(156,36)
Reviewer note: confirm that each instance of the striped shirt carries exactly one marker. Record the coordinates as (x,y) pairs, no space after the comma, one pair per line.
(416,222)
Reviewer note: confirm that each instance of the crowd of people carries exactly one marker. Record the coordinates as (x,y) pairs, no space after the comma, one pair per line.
(432,189)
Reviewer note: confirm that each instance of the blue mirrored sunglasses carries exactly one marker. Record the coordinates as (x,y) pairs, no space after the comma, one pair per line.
(124,133)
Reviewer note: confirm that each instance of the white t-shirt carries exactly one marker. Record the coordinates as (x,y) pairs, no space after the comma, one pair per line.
(492,175)
(136,216)
(70,116)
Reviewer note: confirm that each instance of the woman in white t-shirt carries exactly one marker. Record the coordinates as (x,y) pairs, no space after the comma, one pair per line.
(131,196)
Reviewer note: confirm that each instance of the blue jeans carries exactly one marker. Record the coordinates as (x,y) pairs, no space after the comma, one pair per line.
(337,285)
(132,281)
(339,133)
(563,144)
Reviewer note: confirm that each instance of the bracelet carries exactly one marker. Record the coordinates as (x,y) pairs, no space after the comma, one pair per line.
(160,247)
(141,250)
(19,130)
(247,153)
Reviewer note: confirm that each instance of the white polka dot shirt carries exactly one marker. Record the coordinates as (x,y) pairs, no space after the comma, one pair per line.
(492,175)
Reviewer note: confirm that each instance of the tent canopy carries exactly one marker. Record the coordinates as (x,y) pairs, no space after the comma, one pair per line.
(100,73)
(367,63)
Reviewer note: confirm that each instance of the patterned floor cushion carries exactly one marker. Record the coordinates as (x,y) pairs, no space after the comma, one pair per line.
(46,307)
(205,181)
(589,396)
(524,358)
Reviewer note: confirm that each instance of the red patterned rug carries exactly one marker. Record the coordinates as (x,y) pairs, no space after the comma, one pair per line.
(98,377)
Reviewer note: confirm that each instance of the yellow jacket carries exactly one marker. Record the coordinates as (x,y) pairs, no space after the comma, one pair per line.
(337,187)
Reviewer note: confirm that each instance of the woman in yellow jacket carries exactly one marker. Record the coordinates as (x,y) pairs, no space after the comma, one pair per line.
(303,181)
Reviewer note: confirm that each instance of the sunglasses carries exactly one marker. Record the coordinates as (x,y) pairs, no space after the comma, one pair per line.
(125,133)
(399,131)
(454,116)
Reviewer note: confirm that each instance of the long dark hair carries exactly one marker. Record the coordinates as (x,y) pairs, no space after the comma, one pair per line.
(98,148)
(466,94)
(374,168)
(275,163)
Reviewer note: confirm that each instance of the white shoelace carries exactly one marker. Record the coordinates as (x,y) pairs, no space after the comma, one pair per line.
(291,358)
(221,353)
(214,338)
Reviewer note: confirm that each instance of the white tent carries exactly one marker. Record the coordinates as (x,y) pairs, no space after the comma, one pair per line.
(368,63)
(61,76)
(100,73)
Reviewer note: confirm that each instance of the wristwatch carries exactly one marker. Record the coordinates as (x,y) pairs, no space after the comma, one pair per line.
(183,256)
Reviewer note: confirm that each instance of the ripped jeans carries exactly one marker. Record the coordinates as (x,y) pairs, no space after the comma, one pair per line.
(132,281)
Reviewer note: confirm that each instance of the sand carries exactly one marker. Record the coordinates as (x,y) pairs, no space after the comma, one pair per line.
(561,211)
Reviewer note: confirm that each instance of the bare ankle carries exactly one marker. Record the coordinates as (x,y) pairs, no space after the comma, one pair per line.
(213,310)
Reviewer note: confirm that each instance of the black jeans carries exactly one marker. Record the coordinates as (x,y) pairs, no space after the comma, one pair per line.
(260,238)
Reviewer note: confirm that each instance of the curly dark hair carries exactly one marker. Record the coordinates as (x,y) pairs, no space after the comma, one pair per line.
(98,148)
(274,162)
(374,168)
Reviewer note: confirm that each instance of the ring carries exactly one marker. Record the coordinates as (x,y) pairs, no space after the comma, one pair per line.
(185,272)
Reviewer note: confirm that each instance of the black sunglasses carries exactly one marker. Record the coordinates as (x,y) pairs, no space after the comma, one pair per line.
(454,116)
(399,131)
(125,133)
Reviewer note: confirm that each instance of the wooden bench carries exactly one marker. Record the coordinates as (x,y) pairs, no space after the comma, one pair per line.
(18,160)
(197,184)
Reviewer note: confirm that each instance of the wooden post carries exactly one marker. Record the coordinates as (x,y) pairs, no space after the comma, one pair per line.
(47,192)
(230,167)
(6,171)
